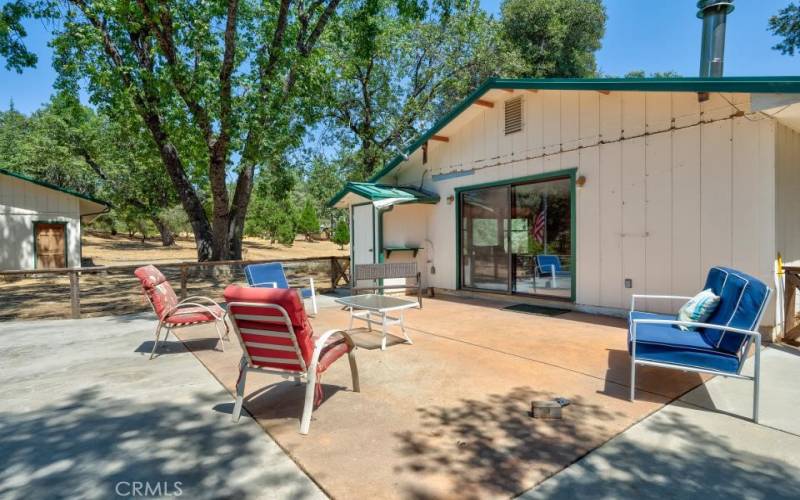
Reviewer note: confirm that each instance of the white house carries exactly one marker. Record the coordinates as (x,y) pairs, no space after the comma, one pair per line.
(40,224)
(588,191)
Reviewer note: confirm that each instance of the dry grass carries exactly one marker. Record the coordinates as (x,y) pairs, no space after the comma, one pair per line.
(116,291)
(105,249)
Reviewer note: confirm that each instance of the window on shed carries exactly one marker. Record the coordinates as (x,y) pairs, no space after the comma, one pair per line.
(513,113)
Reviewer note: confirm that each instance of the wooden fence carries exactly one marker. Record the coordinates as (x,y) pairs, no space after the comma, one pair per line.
(338,271)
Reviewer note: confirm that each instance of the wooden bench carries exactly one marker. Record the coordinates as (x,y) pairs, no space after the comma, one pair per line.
(389,270)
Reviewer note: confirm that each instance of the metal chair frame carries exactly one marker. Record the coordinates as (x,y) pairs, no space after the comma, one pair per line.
(307,372)
(753,338)
(188,302)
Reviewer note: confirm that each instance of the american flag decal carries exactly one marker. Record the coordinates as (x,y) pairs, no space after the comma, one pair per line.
(539,223)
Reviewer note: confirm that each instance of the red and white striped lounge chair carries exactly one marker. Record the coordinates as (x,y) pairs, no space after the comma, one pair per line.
(176,314)
(276,337)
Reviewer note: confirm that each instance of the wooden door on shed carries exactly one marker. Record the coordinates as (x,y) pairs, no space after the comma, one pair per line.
(51,248)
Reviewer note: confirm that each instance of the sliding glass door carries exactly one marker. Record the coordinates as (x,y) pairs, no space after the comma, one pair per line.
(517,238)
(484,238)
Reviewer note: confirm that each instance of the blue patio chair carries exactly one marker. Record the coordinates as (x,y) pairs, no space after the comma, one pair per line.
(549,266)
(272,275)
(719,346)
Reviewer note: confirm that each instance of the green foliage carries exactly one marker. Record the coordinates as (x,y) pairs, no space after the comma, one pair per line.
(341,234)
(12,49)
(176,220)
(70,145)
(640,73)
(786,25)
(554,38)
(204,105)
(285,231)
(308,223)
(220,89)
(272,214)
(393,68)
(323,179)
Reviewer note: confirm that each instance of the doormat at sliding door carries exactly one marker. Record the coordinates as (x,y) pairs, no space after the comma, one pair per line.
(532,309)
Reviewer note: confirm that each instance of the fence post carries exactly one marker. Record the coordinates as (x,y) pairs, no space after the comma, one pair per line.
(75,294)
(334,273)
(184,280)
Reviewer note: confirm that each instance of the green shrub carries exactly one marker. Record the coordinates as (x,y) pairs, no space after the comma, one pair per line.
(341,234)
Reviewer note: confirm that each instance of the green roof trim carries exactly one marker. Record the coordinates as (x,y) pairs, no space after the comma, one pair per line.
(54,187)
(373,192)
(743,84)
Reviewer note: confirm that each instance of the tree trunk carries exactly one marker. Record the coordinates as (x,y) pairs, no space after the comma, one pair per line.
(167,236)
(238,211)
(189,200)
(220,213)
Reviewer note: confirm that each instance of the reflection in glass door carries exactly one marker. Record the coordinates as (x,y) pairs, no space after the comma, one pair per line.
(484,238)
(518,238)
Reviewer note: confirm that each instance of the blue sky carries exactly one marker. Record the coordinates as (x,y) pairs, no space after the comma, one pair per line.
(664,36)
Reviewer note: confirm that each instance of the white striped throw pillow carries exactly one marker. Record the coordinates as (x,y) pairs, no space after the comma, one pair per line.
(698,309)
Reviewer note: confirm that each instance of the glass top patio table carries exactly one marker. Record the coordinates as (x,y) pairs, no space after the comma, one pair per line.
(377,303)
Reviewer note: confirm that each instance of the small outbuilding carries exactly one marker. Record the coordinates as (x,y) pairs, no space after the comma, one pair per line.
(40,223)
(583,192)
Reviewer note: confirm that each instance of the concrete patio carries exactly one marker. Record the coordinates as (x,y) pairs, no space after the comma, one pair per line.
(445,417)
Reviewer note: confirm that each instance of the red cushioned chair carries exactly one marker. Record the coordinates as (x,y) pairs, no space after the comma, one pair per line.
(173,313)
(277,338)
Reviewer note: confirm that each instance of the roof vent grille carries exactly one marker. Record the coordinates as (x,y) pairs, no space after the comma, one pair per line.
(513,110)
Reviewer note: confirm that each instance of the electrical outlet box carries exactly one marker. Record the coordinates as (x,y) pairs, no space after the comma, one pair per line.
(628,283)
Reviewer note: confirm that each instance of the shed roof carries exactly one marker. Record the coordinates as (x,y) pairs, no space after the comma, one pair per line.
(60,189)
(737,84)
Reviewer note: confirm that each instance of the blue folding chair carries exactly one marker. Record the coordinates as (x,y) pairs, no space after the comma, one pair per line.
(272,275)
(549,266)
(719,346)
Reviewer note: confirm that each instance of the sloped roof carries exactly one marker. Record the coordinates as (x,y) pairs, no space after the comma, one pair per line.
(737,84)
(48,185)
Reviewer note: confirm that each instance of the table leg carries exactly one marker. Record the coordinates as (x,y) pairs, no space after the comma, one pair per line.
(403,327)
(383,329)
(350,328)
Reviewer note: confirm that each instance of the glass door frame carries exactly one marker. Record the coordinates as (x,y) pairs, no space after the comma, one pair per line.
(569,173)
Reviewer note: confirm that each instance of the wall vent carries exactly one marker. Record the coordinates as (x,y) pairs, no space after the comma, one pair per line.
(513,112)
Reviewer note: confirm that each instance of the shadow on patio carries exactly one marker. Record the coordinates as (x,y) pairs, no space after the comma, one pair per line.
(492,444)
(88,443)
(695,463)
(448,415)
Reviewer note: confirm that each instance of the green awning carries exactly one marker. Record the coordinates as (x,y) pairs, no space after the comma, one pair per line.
(381,195)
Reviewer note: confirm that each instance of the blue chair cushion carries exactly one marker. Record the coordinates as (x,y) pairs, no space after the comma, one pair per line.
(669,344)
(742,300)
(547,263)
(263,275)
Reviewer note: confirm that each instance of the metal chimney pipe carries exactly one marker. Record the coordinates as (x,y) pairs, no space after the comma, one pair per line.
(714,14)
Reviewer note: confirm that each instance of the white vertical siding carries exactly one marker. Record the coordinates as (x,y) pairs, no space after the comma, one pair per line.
(407,226)
(687,270)
(588,233)
(673,185)
(634,220)
(658,199)
(610,185)
(21,204)
(787,164)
